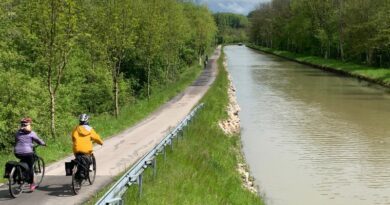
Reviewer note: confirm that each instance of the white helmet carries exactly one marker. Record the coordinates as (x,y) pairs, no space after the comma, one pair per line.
(83,117)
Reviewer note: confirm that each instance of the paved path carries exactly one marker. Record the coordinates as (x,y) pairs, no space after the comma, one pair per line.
(120,151)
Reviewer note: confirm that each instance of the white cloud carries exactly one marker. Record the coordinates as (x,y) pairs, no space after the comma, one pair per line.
(234,6)
(231,7)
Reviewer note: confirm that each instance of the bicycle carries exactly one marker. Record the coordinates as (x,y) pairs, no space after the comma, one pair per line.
(18,174)
(81,173)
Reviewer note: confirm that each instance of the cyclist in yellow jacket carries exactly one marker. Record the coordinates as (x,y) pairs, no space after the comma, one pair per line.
(83,136)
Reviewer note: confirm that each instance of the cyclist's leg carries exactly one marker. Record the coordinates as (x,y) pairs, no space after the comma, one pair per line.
(29,159)
(90,161)
(81,158)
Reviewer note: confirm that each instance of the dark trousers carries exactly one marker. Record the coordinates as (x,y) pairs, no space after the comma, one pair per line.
(84,163)
(29,159)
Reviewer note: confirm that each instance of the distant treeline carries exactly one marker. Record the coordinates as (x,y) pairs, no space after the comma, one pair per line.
(350,30)
(59,58)
(232,28)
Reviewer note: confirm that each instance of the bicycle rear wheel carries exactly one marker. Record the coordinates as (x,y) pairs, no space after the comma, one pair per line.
(39,171)
(76,181)
(15,182)
(92,171)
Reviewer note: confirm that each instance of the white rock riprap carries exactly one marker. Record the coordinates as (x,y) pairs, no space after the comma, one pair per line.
(232,126)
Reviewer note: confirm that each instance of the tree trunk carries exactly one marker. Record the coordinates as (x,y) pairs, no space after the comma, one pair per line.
(167,71)
(52,114)
(328,50)
(369,56)
(341,31)
(116,96)
(116,76)
(148,80)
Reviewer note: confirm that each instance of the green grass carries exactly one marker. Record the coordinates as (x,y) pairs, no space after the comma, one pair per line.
(373,74)
(202,168)
(107,125)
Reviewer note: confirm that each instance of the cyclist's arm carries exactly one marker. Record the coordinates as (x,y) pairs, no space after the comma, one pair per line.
(36,139)
(95,137)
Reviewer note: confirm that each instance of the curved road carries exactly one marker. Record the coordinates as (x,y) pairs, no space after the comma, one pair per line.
(120,151)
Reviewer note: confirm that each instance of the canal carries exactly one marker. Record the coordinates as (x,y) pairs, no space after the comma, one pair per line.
(311,137)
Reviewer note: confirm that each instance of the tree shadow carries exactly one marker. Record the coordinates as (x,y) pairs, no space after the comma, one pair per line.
(4,193)
(59,190)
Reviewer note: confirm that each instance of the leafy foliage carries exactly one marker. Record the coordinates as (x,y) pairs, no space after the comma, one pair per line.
(232,28)
(351,30)
(59,58)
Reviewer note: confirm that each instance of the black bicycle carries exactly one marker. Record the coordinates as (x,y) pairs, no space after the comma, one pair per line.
(83,169)
(17,174)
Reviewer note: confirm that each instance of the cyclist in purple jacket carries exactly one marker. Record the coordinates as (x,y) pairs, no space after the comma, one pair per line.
(24,147)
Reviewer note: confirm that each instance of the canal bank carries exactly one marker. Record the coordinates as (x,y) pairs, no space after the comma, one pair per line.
(380,76)
(311,137)
(231,127)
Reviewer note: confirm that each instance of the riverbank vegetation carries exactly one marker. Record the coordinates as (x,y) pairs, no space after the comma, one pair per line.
(61,58)
(232,28)
(379,76)
(116,60)
(347,30)
(202,168)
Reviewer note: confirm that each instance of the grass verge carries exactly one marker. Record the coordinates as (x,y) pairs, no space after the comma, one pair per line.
(107,125)
(379,76)
(202,168)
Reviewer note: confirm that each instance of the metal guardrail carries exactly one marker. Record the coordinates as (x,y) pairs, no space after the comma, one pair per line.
(134,175)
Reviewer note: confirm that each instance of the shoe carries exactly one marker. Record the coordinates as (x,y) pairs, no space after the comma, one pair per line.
(32,187)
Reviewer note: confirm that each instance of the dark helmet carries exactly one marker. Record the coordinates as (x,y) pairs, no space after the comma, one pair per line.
(83,118)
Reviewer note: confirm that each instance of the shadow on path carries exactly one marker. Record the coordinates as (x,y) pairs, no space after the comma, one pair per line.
(59,190)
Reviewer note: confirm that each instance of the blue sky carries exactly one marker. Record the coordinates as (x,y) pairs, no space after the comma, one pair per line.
(234,6)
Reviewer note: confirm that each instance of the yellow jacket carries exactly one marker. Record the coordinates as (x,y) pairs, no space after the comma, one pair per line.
(82,137)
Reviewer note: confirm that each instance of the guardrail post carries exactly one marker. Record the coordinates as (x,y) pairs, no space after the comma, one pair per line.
(172,144)
(178,134)
(154,168)
(177,138)
(165,154)
(140,185)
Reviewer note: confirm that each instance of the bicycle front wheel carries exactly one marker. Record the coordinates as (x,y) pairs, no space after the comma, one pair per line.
(15,182)
(92,171)
(39,171)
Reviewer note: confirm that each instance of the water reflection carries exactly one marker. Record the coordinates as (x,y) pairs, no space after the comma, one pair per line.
(311,137)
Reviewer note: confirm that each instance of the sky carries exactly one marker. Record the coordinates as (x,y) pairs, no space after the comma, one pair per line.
(234,6)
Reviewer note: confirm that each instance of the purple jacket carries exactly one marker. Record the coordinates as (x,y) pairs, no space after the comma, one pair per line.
(24,142)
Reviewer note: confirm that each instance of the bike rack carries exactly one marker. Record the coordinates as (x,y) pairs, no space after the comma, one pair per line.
(134,175)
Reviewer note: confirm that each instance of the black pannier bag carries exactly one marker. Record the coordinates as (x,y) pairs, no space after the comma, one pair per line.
(68,168)
(8,168)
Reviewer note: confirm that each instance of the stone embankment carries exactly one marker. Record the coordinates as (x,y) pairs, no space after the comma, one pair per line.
(231,126)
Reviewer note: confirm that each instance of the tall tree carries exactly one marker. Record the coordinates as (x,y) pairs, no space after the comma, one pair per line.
(115,31)
(204,28)
(151,36)
(53,24)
